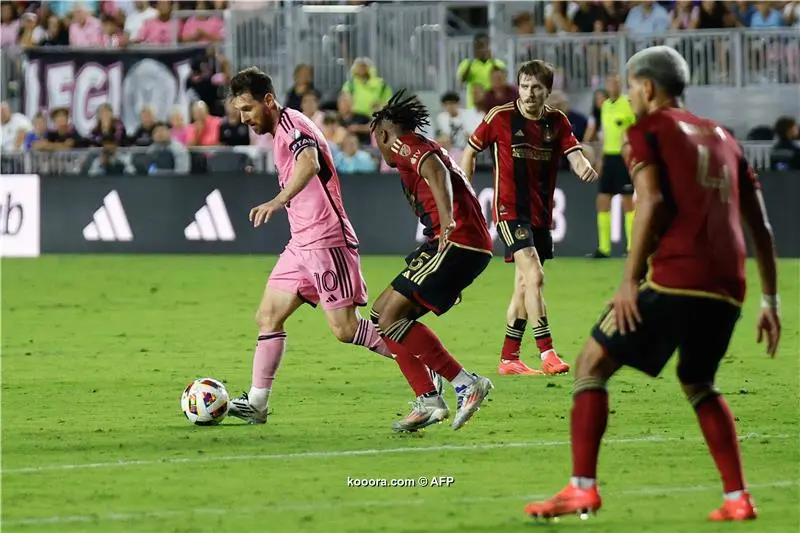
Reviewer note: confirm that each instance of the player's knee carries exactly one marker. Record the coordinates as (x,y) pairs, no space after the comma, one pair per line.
(594,363)
(696,393)
(344,331)
(268,319)
(534,277)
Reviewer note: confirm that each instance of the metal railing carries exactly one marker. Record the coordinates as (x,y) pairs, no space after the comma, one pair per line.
(77,161)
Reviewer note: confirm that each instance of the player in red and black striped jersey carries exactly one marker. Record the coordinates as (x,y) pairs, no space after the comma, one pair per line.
(527,139)
(695,189)
(458,249)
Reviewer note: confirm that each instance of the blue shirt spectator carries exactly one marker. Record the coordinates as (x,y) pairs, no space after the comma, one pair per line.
(647,19)
(351,159)
(766,17)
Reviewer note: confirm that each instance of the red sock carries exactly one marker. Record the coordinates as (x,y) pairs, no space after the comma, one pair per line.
(541,332)
(412,368)
(513,340)
(422,342)
(588,424)
(719,430)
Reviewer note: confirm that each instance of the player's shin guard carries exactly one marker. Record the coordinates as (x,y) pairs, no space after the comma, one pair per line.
(267,358)
(415,372)
(587,425)
(367,335)
(719,430)
(513,340)
(417,339)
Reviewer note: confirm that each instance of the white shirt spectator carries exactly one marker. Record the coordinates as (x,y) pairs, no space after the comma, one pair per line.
(572,8)
(791,13)
(458,128)
(136,19)
(17,126)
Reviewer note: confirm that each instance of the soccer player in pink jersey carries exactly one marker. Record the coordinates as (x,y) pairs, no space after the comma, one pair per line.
(321,261)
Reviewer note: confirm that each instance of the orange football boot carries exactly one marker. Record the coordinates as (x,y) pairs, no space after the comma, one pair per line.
(742,508)
(515,367)
(552,364)
(571,500)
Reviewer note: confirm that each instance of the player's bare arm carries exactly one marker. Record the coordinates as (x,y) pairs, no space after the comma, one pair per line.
(306,168)
(650,214)
(437,176)
(754,216)
(581,166)
(468,160)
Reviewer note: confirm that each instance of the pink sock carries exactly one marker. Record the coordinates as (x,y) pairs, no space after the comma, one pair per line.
(368,336)
(267,359)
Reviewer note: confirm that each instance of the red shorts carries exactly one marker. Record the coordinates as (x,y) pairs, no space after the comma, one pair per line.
(328,275)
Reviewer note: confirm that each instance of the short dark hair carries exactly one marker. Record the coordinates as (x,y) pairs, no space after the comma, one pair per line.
(450,96)
(783,126)
(541,70)
(404,111)
(480,37)
(251,80)
(161,124)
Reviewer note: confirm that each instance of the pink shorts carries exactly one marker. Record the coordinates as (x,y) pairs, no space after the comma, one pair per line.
(328,275)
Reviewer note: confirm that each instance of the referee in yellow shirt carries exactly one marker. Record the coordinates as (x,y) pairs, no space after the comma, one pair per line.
(616,117)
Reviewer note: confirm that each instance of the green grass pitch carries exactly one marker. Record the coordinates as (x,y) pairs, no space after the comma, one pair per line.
(97,350)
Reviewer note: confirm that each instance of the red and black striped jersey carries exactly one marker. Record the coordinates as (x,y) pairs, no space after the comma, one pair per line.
(409,153)
(526,159)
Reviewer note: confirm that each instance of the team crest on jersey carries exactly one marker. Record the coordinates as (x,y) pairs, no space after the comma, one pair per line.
(548,134)
(521,233)
(296,134)
(404,150)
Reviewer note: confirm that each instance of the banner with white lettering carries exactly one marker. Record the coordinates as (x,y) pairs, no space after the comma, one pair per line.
(82,79)
(19,216)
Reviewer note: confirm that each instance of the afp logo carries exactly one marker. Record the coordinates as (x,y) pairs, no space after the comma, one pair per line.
(19,216)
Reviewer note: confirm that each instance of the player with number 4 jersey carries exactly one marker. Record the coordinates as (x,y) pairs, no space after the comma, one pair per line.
(527,139)
(458,249)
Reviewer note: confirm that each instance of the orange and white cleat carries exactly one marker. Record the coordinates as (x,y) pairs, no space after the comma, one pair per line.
(552,364)
(742,508)
(515,367)
(571,500)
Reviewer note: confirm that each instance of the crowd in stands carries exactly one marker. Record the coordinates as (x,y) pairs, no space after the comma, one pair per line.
(344,119)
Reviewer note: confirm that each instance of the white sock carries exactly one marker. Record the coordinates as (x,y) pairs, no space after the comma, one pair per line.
(583,483)
(544,354)
(463,379)
(258,398)
(735,495)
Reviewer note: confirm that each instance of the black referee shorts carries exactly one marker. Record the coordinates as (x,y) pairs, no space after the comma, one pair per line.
(614,177)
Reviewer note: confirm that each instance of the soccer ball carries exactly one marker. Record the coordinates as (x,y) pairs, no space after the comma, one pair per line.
(205,402)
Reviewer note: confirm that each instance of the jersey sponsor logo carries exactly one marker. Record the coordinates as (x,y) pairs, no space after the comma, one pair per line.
(109,222)
(211,222)
(530,152)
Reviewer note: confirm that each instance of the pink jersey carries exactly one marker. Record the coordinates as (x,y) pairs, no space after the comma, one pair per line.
(316,215)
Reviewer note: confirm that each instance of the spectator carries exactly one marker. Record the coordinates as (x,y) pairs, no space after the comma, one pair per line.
(455,124)
(161,29)
(9,24)
(85,30)
(179,131)
(559,100)
(612,16)
(135,19)
(110,162)
(713,15)
(785,155)
(143,136)
(107,125)
(523,24)
(57,34)
(476,72)
(351,159)
(205,81)
(13,127)
(310,107)
(204,129)
(30,33)
(682,15)
(63,8)
(113,37)
(39,132)
(647,18)
(231,130)
(63,137)
(791,14)
(303,82)
(558,17)
(166,153)
(353,122)
(741,11)
(202,28)
(594,126)
(500,91)
(588,17)
(333,130)
(368,90)
(766,16)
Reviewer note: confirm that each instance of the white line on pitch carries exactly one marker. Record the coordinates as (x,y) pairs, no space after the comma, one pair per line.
(154,515)
(350,453)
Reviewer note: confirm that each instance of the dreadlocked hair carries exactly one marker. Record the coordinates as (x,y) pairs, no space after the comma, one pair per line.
(407,112)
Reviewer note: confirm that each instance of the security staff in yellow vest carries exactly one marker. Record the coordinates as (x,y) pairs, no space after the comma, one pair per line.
(616,117)
(476,72)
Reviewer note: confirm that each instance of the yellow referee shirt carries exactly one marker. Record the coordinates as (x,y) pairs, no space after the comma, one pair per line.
(616,117)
